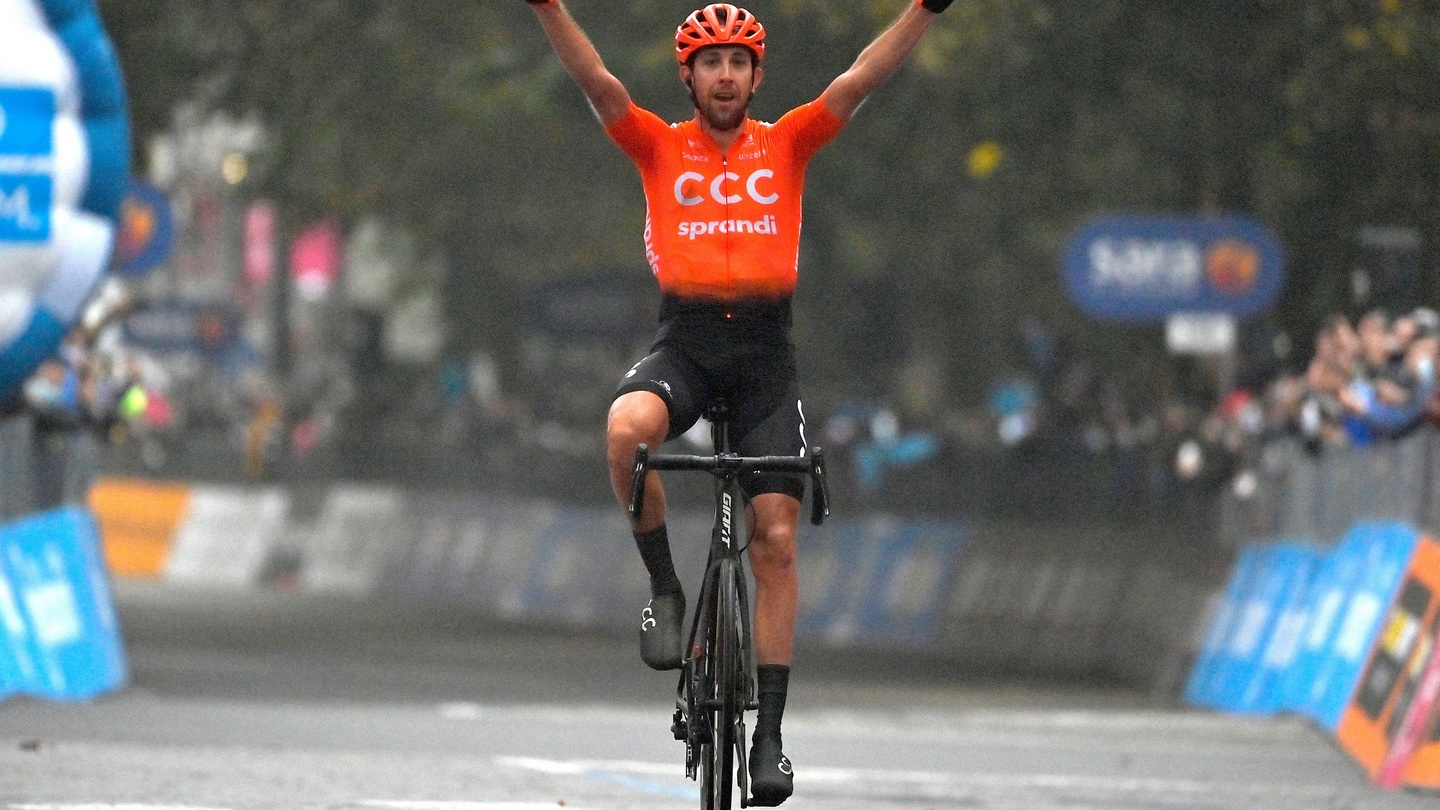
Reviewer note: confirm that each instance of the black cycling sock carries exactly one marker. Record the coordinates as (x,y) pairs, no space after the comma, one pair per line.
(774,682)
(654,548)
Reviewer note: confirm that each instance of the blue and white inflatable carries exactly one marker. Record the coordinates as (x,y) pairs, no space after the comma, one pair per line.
(64,167)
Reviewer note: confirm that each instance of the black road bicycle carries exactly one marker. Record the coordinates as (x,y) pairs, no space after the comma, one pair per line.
(717,674)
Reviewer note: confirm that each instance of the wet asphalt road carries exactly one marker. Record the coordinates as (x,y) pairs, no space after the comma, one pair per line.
(262,700)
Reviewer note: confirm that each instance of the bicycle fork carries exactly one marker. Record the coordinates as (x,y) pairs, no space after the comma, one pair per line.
(690,723)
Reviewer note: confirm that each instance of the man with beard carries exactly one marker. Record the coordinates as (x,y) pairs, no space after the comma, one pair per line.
(722,236)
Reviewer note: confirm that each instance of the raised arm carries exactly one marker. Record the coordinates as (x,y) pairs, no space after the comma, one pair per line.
(881,58)
(608,97)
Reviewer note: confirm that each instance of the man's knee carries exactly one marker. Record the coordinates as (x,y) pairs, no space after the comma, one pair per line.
(636,418)
(772,549)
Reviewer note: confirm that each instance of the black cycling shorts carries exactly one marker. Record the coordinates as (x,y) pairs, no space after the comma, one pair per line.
(738,354)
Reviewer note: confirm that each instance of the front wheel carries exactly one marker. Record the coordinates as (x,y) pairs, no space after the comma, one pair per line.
(725,696)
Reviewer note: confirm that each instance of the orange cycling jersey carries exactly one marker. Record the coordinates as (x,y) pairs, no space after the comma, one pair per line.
(724,226)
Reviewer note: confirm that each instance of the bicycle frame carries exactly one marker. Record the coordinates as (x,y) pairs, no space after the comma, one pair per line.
(717,684)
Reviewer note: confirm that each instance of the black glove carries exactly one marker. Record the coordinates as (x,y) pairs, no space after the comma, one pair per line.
(935,6)
(544,2)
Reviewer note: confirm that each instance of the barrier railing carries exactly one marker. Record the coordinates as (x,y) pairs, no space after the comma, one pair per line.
(1319,496)
(17,469)
(1332,608)
(1003,597)
(1000,595)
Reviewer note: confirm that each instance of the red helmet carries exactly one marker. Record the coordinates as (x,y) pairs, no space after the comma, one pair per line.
(719,24)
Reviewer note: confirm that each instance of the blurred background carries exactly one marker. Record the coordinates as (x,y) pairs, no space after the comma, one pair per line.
(1116,320)
(389,244)
(404,250)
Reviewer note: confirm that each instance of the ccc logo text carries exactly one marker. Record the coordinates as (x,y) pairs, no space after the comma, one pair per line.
(690,188)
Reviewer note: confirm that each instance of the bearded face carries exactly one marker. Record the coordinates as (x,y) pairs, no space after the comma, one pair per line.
(722,80)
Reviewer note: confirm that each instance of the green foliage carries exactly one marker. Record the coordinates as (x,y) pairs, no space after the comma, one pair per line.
(453,117)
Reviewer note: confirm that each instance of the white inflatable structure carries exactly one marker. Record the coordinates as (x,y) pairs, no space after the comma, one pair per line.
(64,168)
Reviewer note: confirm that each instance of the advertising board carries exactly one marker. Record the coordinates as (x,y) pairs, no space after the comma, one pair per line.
(1147,268)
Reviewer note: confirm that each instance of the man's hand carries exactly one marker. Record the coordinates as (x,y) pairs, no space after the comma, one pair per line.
(935,6)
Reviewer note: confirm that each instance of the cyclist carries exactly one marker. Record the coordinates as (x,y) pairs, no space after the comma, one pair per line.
(722,236)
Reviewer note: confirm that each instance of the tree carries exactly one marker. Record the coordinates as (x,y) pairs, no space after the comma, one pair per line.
(454,119)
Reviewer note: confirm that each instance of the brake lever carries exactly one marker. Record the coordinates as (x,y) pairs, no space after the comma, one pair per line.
(819,488)
(637,481)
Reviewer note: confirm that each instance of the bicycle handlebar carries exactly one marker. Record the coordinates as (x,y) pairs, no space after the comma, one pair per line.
(741,464)
(729,463)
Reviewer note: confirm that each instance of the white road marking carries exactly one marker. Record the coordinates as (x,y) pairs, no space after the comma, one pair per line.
(952,782)
(409,805)
(373,803)
(462,711)
(552,766)
(580,766)
(664,778)
(110,807)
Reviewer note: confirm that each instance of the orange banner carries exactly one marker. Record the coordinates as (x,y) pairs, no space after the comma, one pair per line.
(1415,758)
(1381,708)
(138,522)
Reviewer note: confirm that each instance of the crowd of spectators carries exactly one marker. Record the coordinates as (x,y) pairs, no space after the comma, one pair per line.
(1367,382)
(1063,434)
(95,393)
(1060,434)
(1069,435)
(84,398)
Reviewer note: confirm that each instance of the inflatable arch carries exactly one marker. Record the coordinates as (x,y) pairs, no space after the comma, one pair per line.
(64,167)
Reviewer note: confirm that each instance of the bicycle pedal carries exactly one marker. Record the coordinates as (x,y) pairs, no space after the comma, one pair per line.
(678,727)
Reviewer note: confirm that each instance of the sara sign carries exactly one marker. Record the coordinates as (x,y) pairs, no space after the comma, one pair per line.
(1137,268)
(147,230)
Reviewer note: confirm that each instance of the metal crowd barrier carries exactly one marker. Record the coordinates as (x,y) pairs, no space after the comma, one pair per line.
(42,470)
(17,470)
(988,596)
(1318,496)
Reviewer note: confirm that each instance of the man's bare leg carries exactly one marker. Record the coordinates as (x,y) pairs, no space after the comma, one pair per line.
(777,601)
(636,418)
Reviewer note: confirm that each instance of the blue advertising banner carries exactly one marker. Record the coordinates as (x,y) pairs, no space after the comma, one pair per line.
(1147,268)
(25,202)
(908,585)
(1336,575)
(17,665)
(1203,686)
(1285,581)
(1388,549)
(56,609)
(1241,654)
(26,115)
(27,165)
(1264,695)
(574,572)
(879,581)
